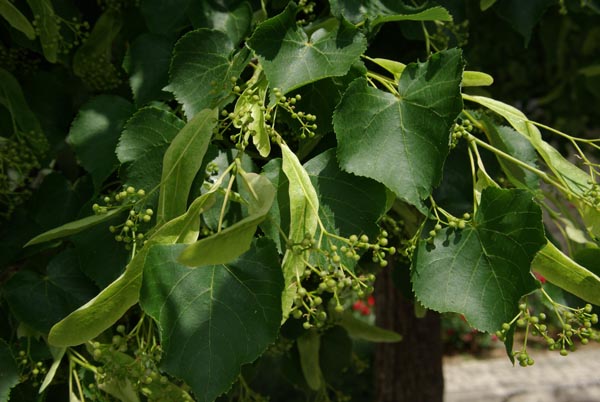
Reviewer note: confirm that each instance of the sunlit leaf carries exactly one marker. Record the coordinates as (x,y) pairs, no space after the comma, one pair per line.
(181,163)
(233,241)
(292,58)
(402,141)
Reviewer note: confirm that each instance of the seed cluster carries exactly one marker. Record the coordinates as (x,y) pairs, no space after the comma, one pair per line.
(130,231)
(576,324)
(331,284)
(19,161)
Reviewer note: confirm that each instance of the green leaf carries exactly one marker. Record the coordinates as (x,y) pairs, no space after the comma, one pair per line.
(335,354)
(394,67)
(509,141)
(9,373)
(16,19)
(522,16)
(353,204)
(230,243)
(436,13)
(148,128)
(485,4)
(308,348)
(402,141)
(74,227)
(360,329)
(213,319)
(576,182)
(573,178)
(143,143)
(230,18)
(100,313)
(48,26)
(565,273)
(92,62)
(181,163)
(57,355)
(589,257)
(124,390)
(476,79)
(380,11)
(292,58)
(42,300)
(95,132)
(279,214)
(147,63)
(304,218)
(12,97)
(102,259)
(203,64)
(483,270)
(165,18)
(334,189)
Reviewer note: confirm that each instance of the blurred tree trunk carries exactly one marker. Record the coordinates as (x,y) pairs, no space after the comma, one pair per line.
(410,370)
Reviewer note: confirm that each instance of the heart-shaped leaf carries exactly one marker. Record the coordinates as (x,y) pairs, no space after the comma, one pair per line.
(292,58)
(215,318)
(402,141)
(203,64)
(483,270)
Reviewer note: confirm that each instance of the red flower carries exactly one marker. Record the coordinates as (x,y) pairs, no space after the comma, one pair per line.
(361,307)
(540,277)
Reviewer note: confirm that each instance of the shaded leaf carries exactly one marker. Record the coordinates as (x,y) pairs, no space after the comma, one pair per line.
(232,19)
(522,16)
(292,58)
(95,132)
(181,163)
(228,244)
(102,258)
(16,19)
(402,141)
(9,373)
(42,300)
(165,17)
(360,329)
(147,64)
(57,355)
(335,354)
(92,61)
(215,318)
(203,64)
(308,348)
(12,97)
(49,29)
(483,270)
(142,146)
(379,11)
(509,141)
(565,273)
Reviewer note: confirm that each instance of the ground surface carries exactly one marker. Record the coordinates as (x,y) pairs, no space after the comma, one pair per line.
(553,378)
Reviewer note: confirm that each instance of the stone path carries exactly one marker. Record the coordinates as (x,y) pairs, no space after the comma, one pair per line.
(553,378)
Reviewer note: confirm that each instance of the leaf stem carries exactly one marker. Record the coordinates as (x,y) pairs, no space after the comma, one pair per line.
(518,162)
(225,201)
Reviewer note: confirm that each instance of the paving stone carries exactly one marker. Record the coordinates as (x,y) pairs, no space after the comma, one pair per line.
(553,378)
